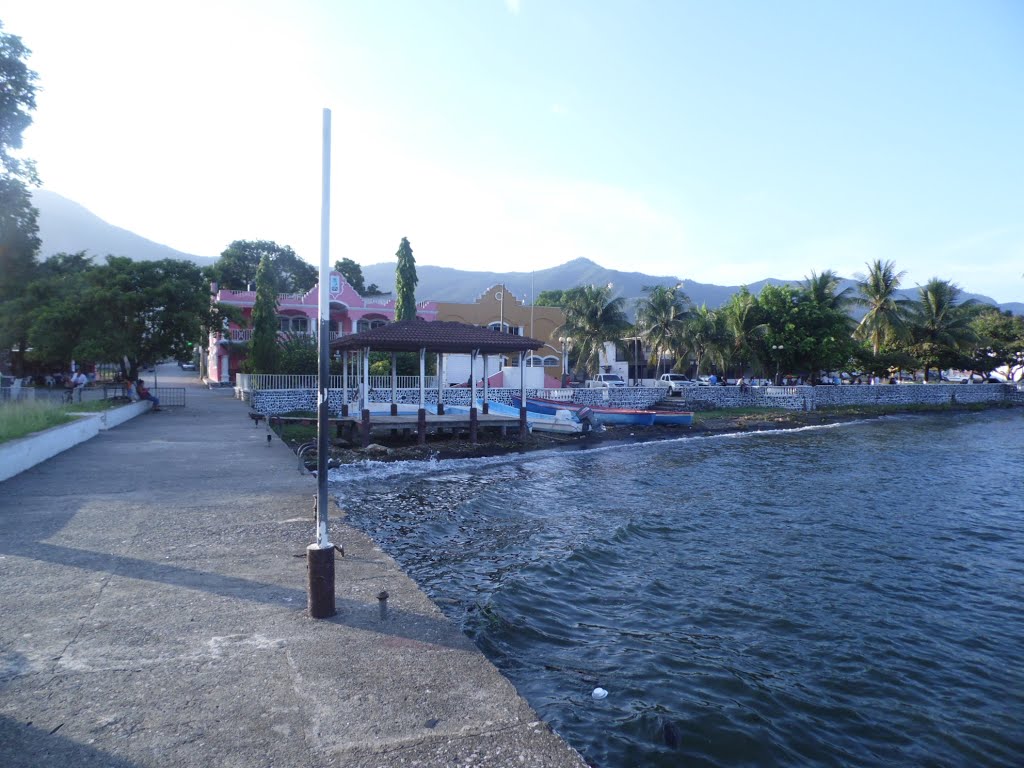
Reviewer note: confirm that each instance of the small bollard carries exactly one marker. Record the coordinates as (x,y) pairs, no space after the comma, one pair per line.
(382,605)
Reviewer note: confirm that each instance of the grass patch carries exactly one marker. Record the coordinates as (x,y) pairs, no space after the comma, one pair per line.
(23,418)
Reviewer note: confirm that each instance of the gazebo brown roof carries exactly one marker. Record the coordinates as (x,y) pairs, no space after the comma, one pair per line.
(435,336)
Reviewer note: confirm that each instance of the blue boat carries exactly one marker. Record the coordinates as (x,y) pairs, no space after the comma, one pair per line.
(673,418)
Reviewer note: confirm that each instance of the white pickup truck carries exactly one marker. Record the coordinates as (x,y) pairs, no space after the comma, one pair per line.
(675,383)
(606,380)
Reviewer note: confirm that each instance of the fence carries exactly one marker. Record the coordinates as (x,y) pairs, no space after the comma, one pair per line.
(168,396)
(247,382)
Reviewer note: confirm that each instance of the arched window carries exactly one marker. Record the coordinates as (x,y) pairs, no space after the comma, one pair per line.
(533,361)
(551,361)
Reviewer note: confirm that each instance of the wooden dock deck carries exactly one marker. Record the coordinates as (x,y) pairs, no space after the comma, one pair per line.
(350,427)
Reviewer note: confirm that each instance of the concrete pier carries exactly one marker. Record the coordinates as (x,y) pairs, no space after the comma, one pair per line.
(153,613)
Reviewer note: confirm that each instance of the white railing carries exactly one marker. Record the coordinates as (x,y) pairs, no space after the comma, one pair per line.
(246,382)
(781,391)
(245,334)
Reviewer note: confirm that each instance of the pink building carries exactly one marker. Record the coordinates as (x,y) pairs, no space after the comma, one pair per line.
(298,314)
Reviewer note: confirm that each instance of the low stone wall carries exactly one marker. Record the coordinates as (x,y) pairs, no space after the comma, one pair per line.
(272,401)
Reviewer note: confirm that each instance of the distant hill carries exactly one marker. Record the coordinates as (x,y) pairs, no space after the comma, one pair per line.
(446,284)
(67,227)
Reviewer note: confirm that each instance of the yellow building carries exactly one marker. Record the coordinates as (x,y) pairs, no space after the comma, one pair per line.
(501,311)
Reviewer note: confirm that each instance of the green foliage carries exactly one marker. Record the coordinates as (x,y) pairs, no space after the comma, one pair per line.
(23,419)
(661,321)
(405,282)
(550,298)
(592,317)
(263,350)
(1000,342)
(884,322)
(353,273)
(237,266)
(17,101)
(941,331)
(297,354)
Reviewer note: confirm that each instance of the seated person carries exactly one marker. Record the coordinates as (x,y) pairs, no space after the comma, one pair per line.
(144,394)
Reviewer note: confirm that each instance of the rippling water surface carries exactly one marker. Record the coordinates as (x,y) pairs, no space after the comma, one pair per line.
(850,595)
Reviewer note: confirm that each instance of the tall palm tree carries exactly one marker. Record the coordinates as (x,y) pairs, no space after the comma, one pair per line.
(660,321)
(742,324)
(702,338)
(941,323)
(592,317)
(884,319)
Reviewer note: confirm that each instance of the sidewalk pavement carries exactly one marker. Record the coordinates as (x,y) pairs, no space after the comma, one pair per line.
(153,613)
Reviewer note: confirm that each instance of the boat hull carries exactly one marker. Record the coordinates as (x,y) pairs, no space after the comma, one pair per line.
(677,419)
(617,416)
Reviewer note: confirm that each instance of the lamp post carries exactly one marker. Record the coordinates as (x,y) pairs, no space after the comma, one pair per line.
(564,340)
(777,352)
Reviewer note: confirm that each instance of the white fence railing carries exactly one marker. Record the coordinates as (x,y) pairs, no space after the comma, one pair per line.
(247,382)
(245,334)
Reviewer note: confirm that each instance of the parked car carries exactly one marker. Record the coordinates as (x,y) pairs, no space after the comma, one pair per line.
(606,381)
(675,383)
(188,366)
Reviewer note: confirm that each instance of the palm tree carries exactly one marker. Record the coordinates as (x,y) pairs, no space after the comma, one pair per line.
(742,324)
(592,317)
(941,324)
(660,321)
(822,290)
(884,319)
(702,337)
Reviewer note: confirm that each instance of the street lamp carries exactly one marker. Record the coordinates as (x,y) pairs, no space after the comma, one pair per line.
(777,352)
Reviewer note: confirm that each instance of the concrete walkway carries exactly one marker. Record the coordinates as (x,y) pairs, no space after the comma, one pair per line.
(152,613)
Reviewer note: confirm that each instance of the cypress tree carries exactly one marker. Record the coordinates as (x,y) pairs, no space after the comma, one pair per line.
(263,348)
(405,283)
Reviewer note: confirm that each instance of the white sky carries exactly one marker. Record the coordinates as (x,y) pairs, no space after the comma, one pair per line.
(718,142)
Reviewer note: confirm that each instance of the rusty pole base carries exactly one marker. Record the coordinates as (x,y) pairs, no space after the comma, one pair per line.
(522,425)
(344,409)
(365,427)
(472,425)
(440,409)
(421,426)
(394,409)
(320,570)
(487,408)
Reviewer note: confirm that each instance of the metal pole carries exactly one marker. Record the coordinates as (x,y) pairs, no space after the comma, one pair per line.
(522,398)
(394,384)
(320,555)
(421,413)
(344,383)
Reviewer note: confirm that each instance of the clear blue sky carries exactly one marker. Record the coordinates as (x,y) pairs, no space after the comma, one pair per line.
(720,142)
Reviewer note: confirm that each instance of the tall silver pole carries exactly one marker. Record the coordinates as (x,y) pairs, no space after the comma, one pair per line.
(320,556)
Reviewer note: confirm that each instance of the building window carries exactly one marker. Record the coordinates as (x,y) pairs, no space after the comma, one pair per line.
(550,361)
(300,324)
(284,324)
(502,327)
(534,362)
(369,325)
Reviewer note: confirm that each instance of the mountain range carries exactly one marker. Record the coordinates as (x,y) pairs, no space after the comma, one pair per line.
(66,226)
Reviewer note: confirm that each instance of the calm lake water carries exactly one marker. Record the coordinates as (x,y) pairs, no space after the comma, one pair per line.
(850,595)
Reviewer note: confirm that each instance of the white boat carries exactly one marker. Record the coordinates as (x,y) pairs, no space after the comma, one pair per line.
(563,421)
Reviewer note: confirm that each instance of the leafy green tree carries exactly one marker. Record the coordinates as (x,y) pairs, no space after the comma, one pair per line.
(941,325)
(132,312)
(550,298)
(661,321)
(17,101)
(19,231)
(824,291)
(353,273)
(884,320)
(1000,343)
(237,265)
(263,348)
(592,317)
(405,282)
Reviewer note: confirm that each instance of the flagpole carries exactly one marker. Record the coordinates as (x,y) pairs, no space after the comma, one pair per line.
(320,555)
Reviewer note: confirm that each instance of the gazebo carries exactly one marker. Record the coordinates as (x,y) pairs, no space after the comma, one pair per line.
(438,337)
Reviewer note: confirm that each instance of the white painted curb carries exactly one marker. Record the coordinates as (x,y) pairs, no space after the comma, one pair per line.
(24,453)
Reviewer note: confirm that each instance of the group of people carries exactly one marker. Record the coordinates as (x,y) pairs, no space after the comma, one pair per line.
(137,391)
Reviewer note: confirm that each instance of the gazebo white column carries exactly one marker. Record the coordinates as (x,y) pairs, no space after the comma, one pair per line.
(421,415)
(486,405)
(522,398)
(440,383)
(364,399)
(394,384)
(344,383)
(472,396)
